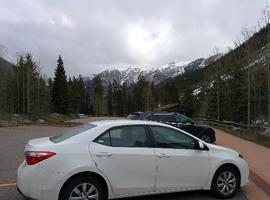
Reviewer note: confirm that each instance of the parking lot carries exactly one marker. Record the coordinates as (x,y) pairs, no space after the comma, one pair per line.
(12,142)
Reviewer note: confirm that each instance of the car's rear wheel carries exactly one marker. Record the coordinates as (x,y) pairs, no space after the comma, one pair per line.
(226,182)
(206,137)
(83,188)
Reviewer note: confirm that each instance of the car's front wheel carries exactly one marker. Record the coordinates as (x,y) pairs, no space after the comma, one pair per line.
(226,182)
(84,188)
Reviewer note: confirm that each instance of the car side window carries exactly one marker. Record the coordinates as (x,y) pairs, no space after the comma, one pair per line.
(169,118)
(170,138)
(105,139)
(128,136)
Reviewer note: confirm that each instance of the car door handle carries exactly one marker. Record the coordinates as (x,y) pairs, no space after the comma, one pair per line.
(104,154)
(163,155)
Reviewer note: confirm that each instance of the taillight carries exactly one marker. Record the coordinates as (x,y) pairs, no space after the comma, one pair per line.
(34,157)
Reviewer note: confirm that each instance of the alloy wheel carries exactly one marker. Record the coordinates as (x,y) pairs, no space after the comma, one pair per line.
(84,191)
(226,183)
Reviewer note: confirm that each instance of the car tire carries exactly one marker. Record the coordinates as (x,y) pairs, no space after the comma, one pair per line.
(206,137)
(80,186)
(226,182)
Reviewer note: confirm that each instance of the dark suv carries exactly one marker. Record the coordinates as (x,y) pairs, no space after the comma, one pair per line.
(180,121)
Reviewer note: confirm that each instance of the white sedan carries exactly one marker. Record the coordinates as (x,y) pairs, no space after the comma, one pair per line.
(123,158)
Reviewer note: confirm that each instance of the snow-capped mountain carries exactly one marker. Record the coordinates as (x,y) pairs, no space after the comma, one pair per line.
(157,75)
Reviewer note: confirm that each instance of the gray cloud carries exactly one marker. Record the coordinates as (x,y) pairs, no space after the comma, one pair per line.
(93,35)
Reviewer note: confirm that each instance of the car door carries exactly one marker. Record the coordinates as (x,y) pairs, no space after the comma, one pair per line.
(123,155)
(180,166)
(184,123)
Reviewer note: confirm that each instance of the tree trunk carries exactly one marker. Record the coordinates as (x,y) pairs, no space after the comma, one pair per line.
(28,89)
(268,74)
(23,83)
(18,89)
(38,98)
(218,110)
(248,98)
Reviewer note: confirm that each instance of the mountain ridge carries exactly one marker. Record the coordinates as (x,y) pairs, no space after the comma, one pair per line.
(130,75)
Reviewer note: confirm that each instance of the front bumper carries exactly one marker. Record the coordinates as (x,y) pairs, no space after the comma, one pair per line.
(244,172)
(34,182)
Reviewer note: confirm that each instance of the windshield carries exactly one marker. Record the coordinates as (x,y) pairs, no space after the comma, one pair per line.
(183,119)
(71,133)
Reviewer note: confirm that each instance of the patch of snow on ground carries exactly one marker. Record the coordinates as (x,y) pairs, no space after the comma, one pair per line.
(197,91)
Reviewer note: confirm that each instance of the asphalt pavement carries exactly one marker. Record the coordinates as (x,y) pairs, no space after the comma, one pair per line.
(13,140)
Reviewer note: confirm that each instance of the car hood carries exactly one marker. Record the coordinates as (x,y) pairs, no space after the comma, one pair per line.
(201,126)
(214,147)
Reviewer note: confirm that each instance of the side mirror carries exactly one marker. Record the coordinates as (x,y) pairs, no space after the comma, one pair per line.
(201,146)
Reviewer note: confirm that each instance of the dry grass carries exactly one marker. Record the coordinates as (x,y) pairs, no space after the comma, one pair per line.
(44,119)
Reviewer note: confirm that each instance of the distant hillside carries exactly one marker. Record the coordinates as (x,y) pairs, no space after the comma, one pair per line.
(6,68)
(233,80)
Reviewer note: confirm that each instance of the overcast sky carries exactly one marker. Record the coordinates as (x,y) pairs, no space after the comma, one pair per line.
(93,35)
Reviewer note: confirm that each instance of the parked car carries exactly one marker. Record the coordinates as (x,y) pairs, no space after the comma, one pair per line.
(180,121)
(119,158)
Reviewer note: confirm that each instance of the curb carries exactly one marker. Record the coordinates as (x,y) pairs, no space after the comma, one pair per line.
(260,180)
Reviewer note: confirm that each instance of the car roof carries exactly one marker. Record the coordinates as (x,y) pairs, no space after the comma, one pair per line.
(123,122)
(163,113)
(136,113)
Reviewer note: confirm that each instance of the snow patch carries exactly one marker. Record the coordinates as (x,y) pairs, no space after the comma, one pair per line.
(197,91)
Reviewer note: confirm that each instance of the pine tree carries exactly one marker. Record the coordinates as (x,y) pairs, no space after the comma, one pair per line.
(10,104)
(88,99)
(27,90)
(32,86)
(50,90)
(188,98)
(117,99)
(110,100)
(44,96)
(81,88)
(76,95)
(148,98)
(60,89)
(173,93)
(124,99)
(138,95)
(98,93)
(130,104)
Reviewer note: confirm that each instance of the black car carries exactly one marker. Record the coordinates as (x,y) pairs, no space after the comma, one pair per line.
(180,121)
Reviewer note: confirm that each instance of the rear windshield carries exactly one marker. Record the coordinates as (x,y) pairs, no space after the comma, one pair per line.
(71,133)
(133,116)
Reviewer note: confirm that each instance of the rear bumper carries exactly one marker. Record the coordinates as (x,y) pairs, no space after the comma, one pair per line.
(34,182)
(18,189)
